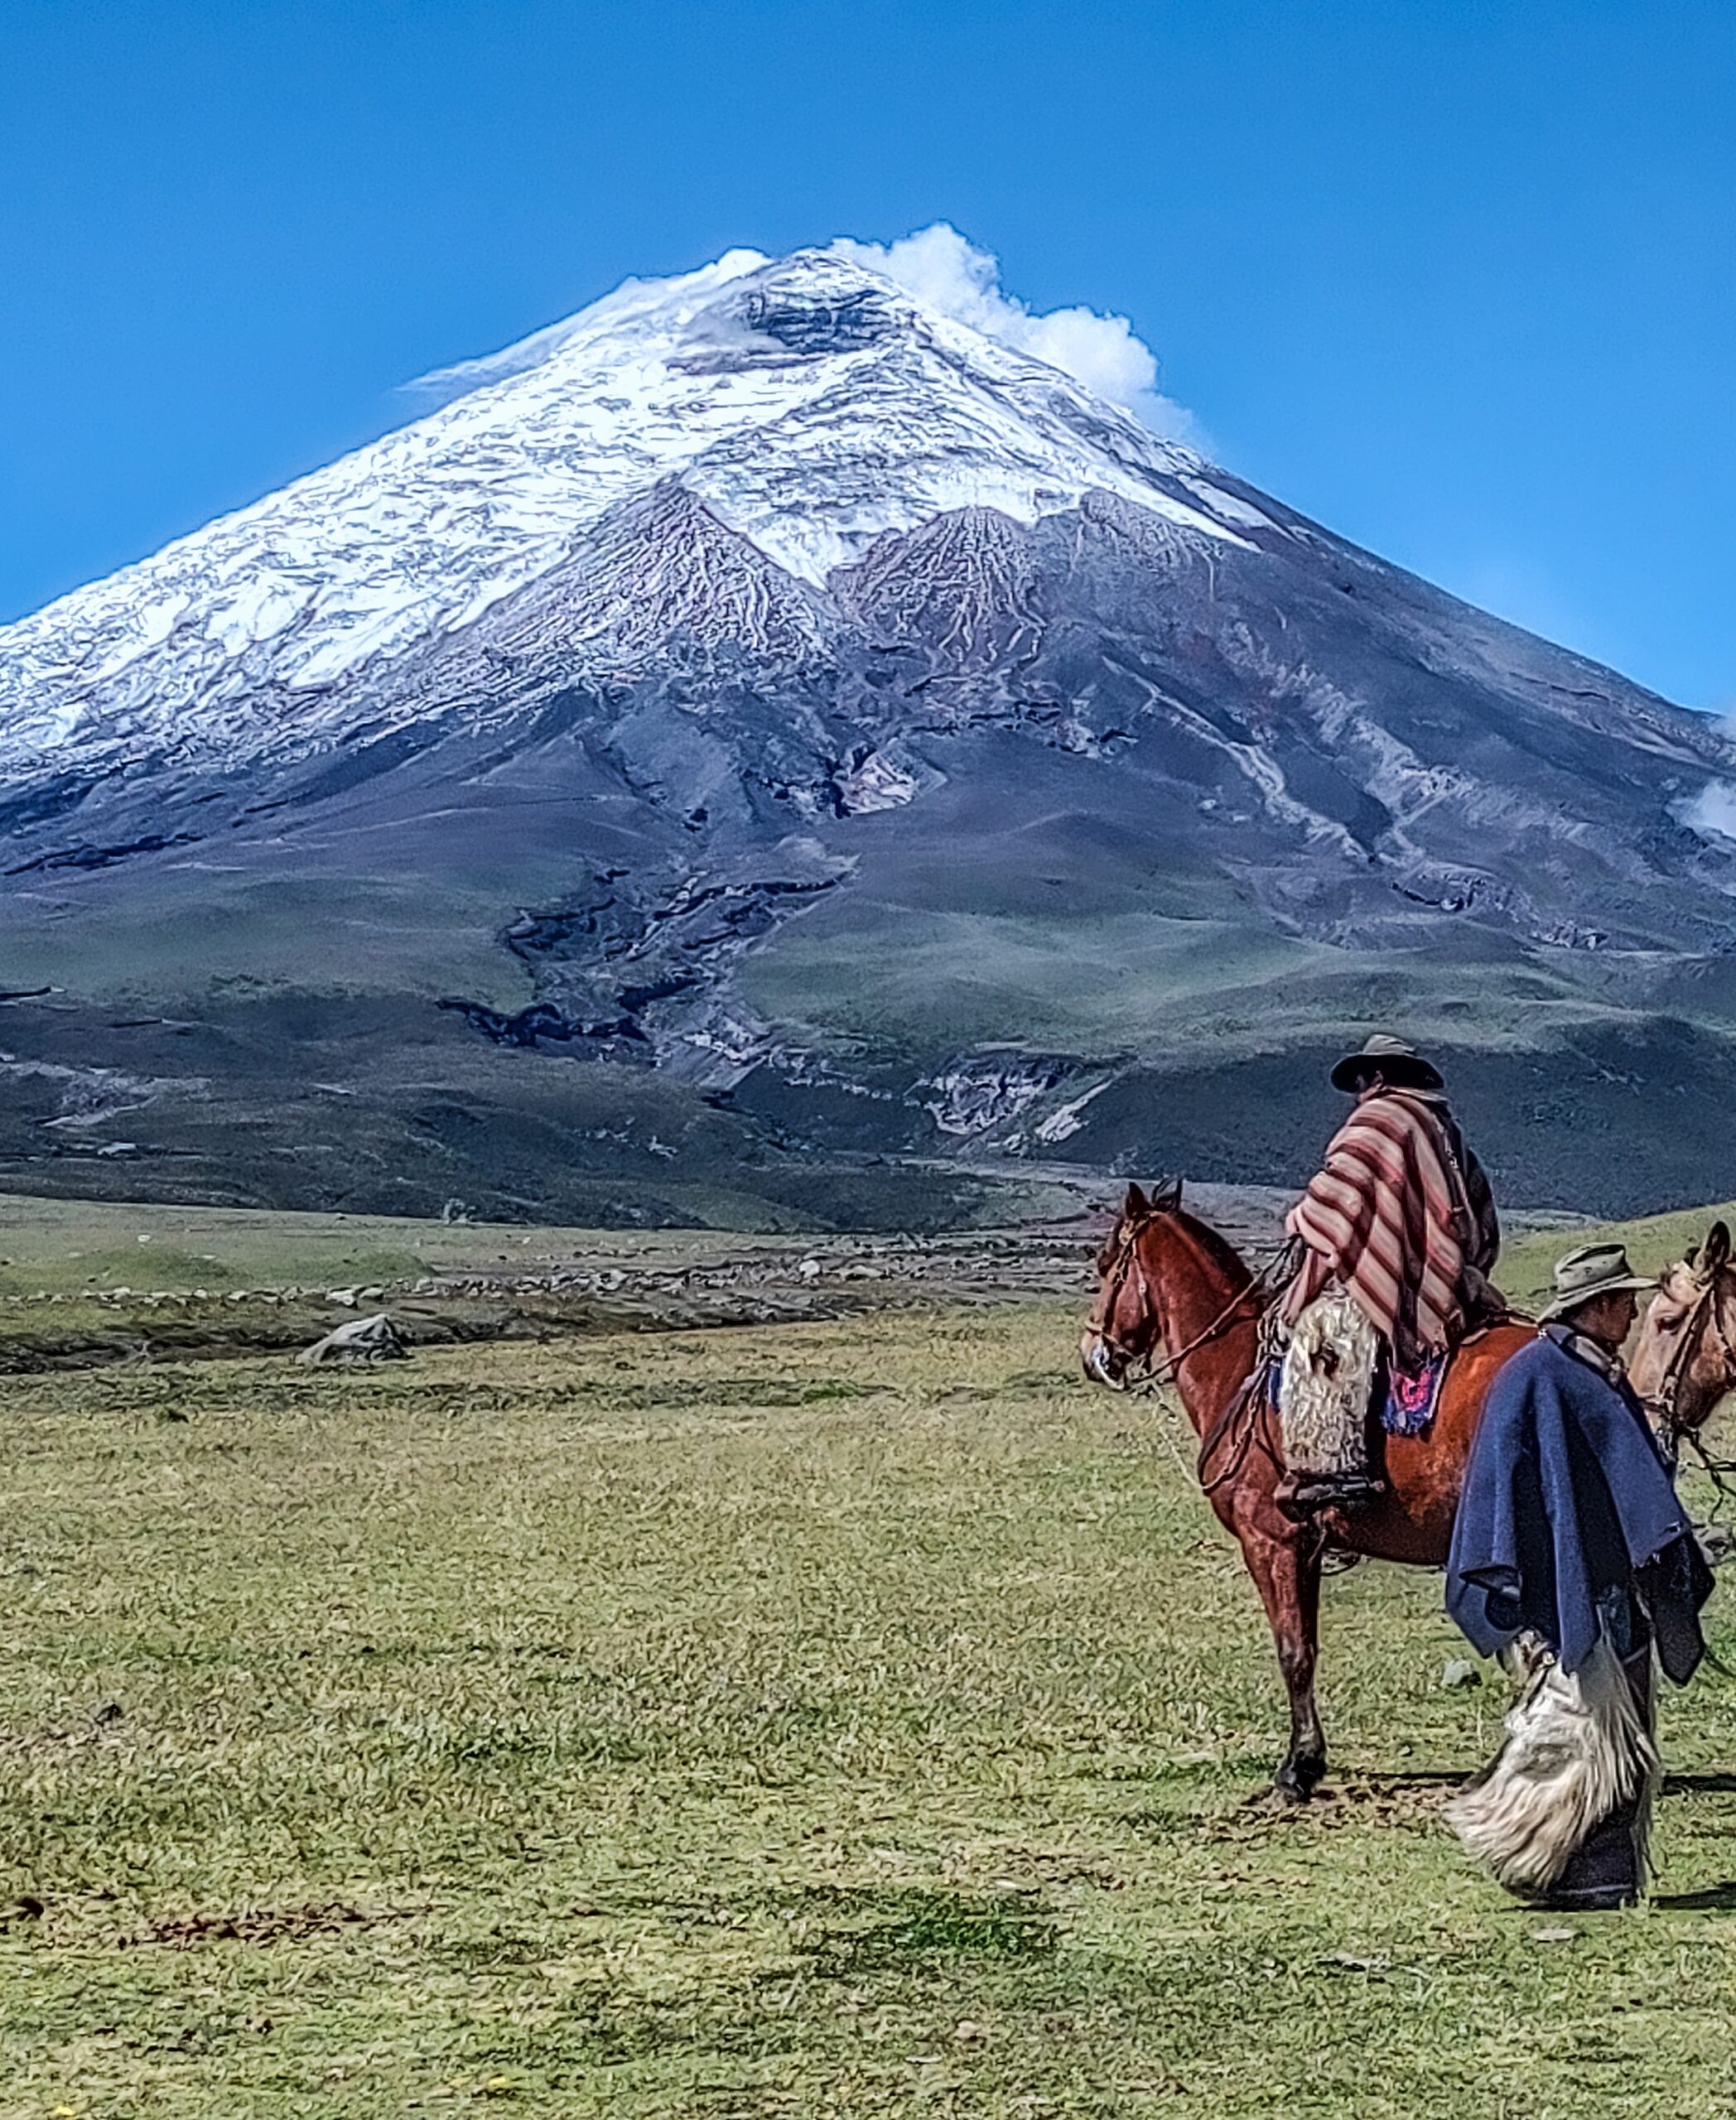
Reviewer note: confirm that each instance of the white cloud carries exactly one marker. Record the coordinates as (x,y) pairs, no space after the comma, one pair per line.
(443,384)
(936,265)
(1712,811)
(940,268)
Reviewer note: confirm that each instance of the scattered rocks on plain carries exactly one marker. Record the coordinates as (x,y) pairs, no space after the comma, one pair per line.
(360,1340)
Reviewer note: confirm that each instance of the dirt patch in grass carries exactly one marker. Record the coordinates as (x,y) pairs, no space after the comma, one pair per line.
(1376,1803)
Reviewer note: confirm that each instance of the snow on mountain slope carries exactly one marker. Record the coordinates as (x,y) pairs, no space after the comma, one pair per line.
(766,683)
(809,403)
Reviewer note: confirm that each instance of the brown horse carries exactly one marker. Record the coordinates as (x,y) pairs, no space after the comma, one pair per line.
(1174,1293)
(1685,1361)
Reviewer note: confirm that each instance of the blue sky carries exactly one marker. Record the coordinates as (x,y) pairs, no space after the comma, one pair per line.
(1457,278)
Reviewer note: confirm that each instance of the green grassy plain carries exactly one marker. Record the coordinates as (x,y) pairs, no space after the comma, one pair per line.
(1653,1242)
(854,1719)
(68,1246)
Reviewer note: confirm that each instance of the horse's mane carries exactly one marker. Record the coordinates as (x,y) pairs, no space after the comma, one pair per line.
(1216,1249)
(1216,1246)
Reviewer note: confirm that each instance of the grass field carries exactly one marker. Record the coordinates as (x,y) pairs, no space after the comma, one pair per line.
(70,1246)
(850,1719)
(1653,1242)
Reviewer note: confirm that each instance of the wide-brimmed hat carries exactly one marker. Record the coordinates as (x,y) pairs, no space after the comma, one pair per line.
(1390,1057)
(1587,1272)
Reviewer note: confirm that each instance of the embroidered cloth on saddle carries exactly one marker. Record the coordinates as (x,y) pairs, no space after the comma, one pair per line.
(1411,1396)
(1400,1215)
(1407,1403)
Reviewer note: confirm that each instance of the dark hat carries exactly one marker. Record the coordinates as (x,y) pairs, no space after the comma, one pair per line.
(1390,1057)
(1587,1272)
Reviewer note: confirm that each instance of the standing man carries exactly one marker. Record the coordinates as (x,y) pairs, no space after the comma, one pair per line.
(1573,1560)
(1399,1234)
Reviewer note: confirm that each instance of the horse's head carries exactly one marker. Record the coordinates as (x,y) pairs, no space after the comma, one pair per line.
(1126,1334)
(1685,1361)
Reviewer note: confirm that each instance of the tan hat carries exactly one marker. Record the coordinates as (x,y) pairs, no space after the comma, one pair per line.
(1587,1272)
(1401,1064)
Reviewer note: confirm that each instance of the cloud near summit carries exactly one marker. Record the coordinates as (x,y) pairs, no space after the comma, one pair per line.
(943,268)
(938,266)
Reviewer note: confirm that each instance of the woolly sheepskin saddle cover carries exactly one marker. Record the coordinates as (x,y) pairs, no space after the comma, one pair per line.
(1327,1385)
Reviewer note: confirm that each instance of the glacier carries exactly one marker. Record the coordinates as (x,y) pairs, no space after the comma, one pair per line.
(751,383)
(764,747)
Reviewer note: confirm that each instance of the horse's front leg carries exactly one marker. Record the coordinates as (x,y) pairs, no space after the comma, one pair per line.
(1286,1569)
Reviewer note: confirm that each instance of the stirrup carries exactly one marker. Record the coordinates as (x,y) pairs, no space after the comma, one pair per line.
(1302,1494)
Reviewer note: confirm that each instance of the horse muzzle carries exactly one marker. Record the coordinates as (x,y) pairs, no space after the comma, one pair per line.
(1100,1361)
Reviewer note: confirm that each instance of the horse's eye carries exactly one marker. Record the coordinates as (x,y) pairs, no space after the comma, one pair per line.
(1667,1316)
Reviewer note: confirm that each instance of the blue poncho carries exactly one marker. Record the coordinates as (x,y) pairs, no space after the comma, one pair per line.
(1566,1500)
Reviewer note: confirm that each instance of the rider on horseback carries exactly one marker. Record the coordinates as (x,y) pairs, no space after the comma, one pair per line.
(1399,1234)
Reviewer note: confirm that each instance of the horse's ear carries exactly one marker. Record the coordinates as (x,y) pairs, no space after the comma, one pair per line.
(1715,1252)
(1135,1206)
(1168,1195)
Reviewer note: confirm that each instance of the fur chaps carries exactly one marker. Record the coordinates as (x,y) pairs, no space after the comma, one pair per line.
(1327,1385)
(1578,1750)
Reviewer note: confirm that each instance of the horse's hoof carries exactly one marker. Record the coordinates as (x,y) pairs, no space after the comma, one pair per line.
(1279,1796)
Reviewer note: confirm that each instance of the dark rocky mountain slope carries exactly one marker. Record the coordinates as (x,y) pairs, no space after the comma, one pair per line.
(782,756)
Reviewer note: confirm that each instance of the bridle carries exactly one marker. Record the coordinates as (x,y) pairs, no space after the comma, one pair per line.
(1141,1373)
(1136,1367)
(1665,1404)
(1242,1425)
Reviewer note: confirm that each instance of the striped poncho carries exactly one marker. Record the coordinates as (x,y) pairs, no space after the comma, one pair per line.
(1400,1215)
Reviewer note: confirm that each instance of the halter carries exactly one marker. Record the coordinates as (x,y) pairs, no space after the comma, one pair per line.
(1141,1373)
(1666,1404)
(1137,1367)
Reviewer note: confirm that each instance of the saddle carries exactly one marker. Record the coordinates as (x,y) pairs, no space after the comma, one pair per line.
(1335,1381)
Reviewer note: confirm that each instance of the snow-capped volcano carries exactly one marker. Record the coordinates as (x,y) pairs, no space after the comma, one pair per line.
(810,404)
(854,739)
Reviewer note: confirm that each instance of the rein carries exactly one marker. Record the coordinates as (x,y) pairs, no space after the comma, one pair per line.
(1716,1469)
(1144,1375)
(1240,1424)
